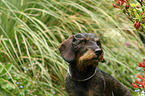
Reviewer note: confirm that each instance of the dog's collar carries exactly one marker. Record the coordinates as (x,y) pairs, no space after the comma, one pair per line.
(85,78)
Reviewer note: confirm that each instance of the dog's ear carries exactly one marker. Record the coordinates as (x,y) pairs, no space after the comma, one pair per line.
(66,50)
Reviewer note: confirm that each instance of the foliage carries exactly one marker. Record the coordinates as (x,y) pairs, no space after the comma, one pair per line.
(135,13)
(31,31)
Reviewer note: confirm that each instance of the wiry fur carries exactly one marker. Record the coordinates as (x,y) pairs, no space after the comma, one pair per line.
(83,52)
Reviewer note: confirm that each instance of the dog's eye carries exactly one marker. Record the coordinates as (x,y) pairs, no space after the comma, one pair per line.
(98,43)
(83,42)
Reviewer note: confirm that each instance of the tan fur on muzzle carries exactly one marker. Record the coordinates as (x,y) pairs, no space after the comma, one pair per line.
(87,59)
(89,54)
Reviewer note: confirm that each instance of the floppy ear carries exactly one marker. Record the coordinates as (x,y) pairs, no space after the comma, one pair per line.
(66,50)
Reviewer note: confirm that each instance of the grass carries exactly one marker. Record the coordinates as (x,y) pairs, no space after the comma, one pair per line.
(31,31)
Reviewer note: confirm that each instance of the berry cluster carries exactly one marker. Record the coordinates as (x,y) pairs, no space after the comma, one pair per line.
(134,12)
(137,24)
(142,82)
(120,4)
(142,64)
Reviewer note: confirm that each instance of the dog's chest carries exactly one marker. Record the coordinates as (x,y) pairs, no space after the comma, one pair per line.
(75,88)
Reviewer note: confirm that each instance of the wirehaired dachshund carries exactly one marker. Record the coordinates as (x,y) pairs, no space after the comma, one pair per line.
(83,51)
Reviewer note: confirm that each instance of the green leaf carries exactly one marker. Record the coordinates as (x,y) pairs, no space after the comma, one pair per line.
(5,69)
(8,86)
(133,5)
(143,15)
(1,68)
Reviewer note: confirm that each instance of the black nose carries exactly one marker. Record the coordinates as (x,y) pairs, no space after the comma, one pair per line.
(98,51)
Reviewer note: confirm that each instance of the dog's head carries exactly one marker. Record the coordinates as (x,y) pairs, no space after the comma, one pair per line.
(81,48)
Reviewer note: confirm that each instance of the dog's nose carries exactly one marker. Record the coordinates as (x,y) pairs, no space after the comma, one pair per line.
(98,51)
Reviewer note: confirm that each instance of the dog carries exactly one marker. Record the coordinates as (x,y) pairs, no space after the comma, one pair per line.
(83,51)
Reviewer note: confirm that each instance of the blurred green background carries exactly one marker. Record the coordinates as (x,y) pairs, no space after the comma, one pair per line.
(31,31)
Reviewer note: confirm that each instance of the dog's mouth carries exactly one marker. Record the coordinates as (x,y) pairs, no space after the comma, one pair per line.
(96,58)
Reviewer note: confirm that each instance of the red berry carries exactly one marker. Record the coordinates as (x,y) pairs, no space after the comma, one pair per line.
(126,6)
(139,64)
(144,75)
(137,6)
(114,6)
(138,82)
(143,66)
(142,14)
(139,76)
(137,24)
(142,85)
(143,61)
(120,2)
(135,86)
(144,69)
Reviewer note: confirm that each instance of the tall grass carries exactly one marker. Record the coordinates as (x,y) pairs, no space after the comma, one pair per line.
(31,31)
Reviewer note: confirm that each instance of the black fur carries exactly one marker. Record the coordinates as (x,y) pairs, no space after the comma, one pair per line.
(83,52)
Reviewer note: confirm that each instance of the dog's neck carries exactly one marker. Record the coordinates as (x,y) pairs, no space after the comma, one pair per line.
(82,75)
